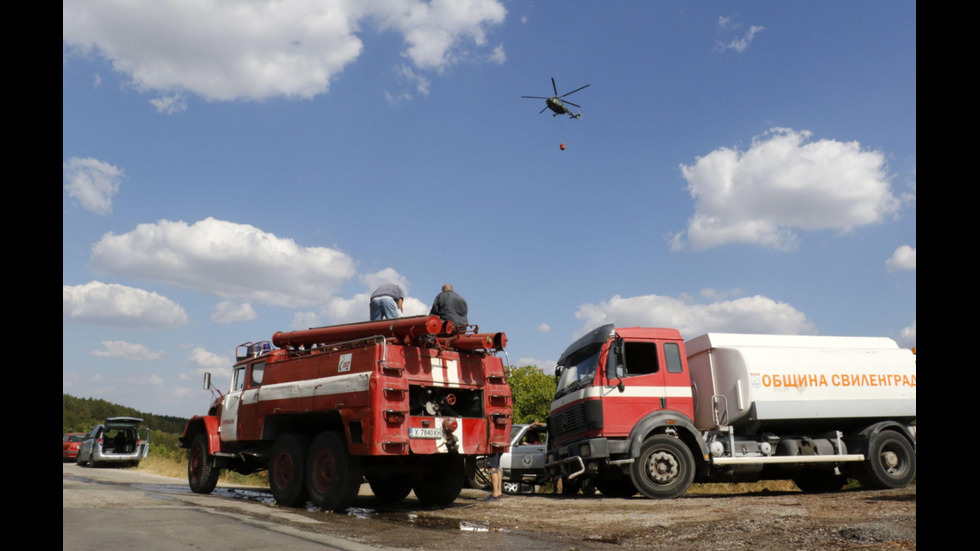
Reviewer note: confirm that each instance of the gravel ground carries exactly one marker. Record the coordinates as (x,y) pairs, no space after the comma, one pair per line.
(854,519)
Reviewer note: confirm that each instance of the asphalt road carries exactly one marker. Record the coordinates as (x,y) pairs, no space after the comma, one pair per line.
(106,509)
(124,509)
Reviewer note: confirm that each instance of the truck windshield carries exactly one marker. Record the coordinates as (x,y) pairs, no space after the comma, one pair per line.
(579,369)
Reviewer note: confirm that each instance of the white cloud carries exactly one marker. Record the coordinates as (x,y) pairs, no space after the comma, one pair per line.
(907,337)
(740,41)
(92,183)
(544,328)
(784,183)
(227,259)
(902,259)
(263,48)
(546,366)
(122,350)
(204,360)
(111,304)
(169,104)
(755,314)
(227,311)
(356,308)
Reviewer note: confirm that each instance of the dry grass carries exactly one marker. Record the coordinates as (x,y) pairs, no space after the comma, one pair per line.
(178,469)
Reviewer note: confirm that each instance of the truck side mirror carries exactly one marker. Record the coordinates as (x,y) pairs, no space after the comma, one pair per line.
(207,381)
(614,361)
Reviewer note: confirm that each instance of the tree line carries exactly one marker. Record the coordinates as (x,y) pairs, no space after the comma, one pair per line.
(81,414)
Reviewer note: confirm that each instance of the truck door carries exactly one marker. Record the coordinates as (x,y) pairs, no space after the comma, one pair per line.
(228,429)
(636,385)
(677,380)
(249,425)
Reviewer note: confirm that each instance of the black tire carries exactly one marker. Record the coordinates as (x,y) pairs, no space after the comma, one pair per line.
(478,477)
(333,475)
(664,469)
(390,489)
(202,475)
(890,463)
(287,467)
(619,486)
(588,487)
(571,486)
(441,480)
(818,481)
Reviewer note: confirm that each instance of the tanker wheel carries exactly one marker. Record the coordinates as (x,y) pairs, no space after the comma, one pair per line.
(441,480)
(286,468)
(618,486)
(390,489)
(664,468)
(891,462)
(814,481)
(202,476)
(588,487)
(333,476)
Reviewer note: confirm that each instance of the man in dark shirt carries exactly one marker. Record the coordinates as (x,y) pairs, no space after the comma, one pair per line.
(386,302)
(450,306)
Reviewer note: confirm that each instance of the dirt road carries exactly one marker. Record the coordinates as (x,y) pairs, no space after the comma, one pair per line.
(788,520)
(855,519)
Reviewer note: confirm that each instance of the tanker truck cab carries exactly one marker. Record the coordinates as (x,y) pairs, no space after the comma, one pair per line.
(641,410)
(624,394)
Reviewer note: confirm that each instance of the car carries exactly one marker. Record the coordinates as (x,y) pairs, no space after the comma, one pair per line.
(69,445)
(115,442)
(523,466)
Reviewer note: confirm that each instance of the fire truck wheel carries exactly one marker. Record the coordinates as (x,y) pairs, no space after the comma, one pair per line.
(891,462)
(201,474)
(390,489)
(286,468)
(333,476)
(441,480)
(664,469)
(476,474)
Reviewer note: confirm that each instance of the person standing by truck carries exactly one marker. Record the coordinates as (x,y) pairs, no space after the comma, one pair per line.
(496,477)
(449,306)
(386,302)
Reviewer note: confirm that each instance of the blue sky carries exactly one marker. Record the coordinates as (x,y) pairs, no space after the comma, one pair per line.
(242,169)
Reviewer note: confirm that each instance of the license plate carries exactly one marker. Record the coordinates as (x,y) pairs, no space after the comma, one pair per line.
(418,432)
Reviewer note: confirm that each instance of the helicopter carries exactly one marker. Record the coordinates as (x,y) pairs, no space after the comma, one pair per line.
(556,104)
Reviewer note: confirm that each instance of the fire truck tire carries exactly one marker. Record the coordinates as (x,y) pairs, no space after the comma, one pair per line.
(477,475)
(441,480)
(286,469)
(390,489)
(890,463)
(202,476)
(333,476)
(664,469)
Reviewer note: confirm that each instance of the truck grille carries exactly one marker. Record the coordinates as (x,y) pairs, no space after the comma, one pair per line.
(567,423)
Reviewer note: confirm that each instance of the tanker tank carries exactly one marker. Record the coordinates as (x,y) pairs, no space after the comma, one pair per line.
(757,383)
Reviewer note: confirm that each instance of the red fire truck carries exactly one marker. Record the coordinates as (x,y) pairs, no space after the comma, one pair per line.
(402,403)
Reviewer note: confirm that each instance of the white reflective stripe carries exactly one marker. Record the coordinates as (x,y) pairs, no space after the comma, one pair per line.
(445,372)
(324,386)
(610,392)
